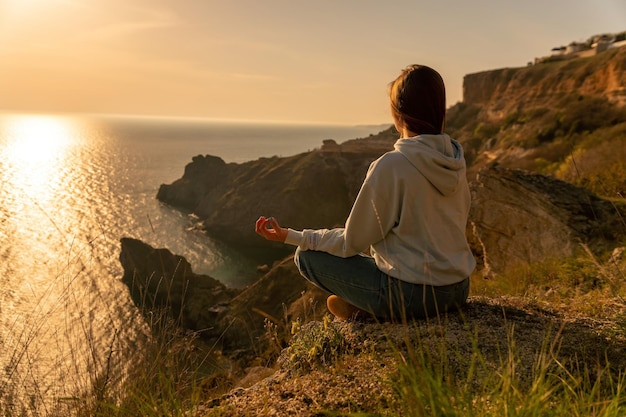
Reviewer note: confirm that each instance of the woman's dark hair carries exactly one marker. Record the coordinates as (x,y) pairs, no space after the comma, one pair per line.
(418,99)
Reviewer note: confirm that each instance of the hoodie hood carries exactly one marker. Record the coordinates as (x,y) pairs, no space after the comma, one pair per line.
(439,158)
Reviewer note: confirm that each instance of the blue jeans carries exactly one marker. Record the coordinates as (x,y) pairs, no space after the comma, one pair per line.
(359,281)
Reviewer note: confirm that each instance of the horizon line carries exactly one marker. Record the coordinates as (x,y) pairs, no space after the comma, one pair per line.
(196,119)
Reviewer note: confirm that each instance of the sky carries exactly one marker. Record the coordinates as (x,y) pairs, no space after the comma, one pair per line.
(326,61)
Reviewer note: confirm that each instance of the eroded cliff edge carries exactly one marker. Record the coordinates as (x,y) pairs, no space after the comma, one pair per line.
(501,90)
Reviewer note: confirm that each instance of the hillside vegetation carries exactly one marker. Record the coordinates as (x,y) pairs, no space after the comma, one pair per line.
(564,118)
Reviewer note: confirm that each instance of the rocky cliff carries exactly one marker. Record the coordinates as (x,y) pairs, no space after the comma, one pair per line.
(539,117)
(519,218)
(313,189)
(159,279)
(502,90)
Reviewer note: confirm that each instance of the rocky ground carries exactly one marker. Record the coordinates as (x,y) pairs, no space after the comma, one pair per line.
(334,367)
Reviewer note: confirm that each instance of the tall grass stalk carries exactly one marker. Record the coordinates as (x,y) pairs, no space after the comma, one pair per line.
(71,354)
(442,383)
(62,347)
(167,376)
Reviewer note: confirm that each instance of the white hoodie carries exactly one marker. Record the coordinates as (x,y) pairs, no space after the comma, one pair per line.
(411,212)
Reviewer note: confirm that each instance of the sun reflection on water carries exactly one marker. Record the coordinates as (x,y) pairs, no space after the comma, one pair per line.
(36,157)
(35,151)
(38,138)
(43,257)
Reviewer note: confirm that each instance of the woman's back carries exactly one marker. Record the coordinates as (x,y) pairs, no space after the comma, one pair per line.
(424,198)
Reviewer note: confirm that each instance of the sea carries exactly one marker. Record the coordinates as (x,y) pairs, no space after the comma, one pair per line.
(71,187)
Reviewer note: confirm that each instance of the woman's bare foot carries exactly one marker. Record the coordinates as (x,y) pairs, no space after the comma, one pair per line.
(343,310)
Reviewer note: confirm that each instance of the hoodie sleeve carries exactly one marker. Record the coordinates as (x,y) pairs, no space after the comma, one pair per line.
(373,214)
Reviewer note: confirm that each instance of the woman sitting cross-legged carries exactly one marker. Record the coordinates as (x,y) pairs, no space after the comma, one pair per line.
(410,216)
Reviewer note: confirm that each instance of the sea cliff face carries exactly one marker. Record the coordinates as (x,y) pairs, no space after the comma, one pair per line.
(231,319)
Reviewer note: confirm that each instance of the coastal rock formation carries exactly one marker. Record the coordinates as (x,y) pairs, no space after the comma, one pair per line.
(520,218)
(517,217)
(539,117)
(157,278)
(501,91)
(314,189)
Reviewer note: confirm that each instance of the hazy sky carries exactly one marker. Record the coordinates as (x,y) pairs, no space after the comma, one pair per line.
(287,60)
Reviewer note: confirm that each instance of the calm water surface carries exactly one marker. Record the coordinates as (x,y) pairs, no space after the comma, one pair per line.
(70,189)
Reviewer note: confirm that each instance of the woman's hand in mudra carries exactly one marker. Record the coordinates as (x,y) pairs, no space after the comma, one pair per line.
(270,229)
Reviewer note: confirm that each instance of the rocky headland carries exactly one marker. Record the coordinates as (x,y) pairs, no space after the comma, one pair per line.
(525,131)
(312,189)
